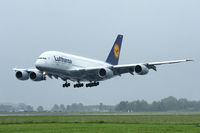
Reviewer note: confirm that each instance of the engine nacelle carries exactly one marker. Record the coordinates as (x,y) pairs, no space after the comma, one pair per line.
(36,76)
(22,75)
(141,69)
(105,73)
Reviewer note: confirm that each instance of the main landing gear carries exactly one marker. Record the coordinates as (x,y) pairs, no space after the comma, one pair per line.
(66,85)
(78,85)
(92,84)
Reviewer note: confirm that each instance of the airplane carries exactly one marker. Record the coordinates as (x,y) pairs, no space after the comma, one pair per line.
(80,69)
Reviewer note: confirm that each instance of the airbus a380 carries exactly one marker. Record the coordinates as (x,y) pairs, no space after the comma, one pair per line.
(80,69)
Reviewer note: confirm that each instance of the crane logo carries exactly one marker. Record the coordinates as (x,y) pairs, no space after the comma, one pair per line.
(116,51)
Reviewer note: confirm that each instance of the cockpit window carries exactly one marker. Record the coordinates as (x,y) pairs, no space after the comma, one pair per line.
(42,58)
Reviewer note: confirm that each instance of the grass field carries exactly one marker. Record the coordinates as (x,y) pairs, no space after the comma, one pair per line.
(101,124)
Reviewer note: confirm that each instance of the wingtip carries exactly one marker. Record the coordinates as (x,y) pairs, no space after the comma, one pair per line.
(189,60)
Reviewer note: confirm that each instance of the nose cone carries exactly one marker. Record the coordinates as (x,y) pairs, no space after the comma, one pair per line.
(39,64)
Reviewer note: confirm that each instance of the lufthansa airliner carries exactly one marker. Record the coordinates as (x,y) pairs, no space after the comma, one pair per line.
(80,69)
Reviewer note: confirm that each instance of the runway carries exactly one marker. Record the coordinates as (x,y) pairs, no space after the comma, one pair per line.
(94,113)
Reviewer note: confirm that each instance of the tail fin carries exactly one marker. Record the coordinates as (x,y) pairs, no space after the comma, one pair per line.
(113,56)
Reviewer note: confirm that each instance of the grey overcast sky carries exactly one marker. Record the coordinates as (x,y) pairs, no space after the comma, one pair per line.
(154,30)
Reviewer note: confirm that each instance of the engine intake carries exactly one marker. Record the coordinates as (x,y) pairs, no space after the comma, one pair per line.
(105,73)
(141,69)
(37,76)
(102,72)
(22,75)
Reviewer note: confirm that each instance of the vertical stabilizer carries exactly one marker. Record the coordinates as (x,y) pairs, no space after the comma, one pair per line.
(113,56)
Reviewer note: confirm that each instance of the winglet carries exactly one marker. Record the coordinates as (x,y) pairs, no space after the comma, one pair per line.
(113,56)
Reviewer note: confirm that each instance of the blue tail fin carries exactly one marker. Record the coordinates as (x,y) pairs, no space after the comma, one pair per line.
(113,56)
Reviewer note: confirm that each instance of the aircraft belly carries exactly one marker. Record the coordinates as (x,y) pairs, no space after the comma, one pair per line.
(84,76)
(70,75)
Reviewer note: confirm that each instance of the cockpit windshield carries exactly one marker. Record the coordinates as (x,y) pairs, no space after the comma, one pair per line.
(42,58)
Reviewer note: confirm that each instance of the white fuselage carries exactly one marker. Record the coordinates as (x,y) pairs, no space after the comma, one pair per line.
(65,65)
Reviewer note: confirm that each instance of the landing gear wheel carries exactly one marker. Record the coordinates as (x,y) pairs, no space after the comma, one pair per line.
(92,84)
(66,85)
(78,85)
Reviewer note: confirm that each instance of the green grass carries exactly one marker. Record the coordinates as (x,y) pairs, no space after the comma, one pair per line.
(101,124)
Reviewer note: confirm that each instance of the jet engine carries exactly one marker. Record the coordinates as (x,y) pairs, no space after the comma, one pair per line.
(105,73)
(37,76)
(141,69)
(22,75)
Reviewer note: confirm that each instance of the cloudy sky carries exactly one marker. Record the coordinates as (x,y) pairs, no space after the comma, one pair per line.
(153,31)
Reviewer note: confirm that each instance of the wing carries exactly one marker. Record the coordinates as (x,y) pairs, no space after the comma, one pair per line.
(26,70)
(90,73)
(129,68)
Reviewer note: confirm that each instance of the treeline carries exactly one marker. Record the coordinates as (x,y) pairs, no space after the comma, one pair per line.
(75,107)
(164,105)
(16,108)
(79,107)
